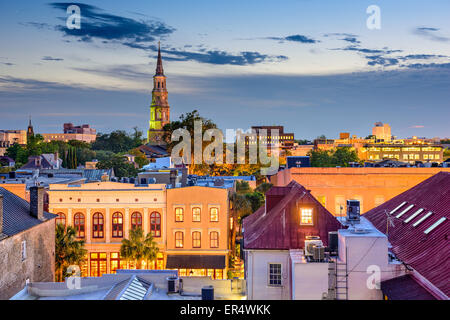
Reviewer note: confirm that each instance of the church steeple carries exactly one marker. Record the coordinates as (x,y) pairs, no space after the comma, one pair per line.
(30,130)
(159,65)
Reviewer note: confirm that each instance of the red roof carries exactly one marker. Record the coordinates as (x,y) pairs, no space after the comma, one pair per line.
(279,228)
(428,252)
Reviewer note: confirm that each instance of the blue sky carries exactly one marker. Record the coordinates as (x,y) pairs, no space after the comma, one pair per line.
(312,66)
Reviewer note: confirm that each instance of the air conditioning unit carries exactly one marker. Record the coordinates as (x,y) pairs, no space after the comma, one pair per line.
(310,244)
(173,285)
(318,253)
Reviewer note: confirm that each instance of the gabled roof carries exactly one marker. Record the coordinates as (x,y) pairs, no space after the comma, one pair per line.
(16,214)
(420,238)
(278,229)
(405,288)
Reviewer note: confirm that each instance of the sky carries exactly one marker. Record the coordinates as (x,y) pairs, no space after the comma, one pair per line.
(314,67)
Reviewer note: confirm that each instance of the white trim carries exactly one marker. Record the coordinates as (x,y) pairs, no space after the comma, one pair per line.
(435,225)
(422,219)
(404,211)
(399,206)
(415,214)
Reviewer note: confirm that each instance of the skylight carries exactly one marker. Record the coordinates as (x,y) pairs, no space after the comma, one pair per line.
(404,211)
(422,219)
(415,214)
(401,205)
(434,225)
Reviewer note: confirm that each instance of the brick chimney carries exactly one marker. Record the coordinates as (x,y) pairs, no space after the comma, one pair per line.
(1,213)
(37,202)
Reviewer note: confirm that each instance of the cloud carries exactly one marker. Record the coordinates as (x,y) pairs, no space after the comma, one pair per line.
(96,24)
(221,57)
(294,38)
(430,34)
(428,66)
(9,64)
(348,37)
(49,58)
(417,127)
(381,61)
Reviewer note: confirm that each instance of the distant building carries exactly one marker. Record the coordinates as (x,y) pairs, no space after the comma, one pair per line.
(27,241)
(10,137)
(272,136)
(410,153)
(382,131)
(81,133)
(44,161)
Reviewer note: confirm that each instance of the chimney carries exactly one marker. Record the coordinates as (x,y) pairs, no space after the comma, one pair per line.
(184,177)
(37,202)
(1,214)
(173,178)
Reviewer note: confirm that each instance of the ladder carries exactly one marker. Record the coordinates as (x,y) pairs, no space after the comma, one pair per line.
(341,280)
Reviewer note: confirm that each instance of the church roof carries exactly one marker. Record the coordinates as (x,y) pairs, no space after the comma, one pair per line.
(159,66)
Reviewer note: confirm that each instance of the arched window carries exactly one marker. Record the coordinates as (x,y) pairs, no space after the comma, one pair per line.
(136,220)
(179,239)
(155,224)
(196,239)
(196,212)
(214,239)
(117,225)
(179,215)
(78,223)
(97,225)
(214,214)
(61,219)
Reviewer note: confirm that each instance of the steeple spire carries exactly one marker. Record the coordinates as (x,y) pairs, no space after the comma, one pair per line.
(159,66)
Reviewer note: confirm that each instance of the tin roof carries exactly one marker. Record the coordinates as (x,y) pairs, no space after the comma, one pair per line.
(420,238)
(405,288)
(279,227)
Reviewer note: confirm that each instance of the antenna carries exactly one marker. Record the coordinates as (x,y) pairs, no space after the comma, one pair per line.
(389,221)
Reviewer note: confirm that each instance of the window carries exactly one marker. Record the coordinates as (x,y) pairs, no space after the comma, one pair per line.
(136,220)
(196,212)
(214,214)
(24,250)
(61,219)
(214,239)
(78,223)
(306,216)
(114,262)
(117,225)
(97,225)
(179,241)
(98,264)
(155,224)
(274,274)
(196,239)
(179,215)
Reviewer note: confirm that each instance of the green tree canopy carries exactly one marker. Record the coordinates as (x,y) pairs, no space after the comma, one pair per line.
(139,247)
(68,250)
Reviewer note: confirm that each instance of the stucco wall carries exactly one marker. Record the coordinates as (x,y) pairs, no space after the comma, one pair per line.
(37,267)
(310,280)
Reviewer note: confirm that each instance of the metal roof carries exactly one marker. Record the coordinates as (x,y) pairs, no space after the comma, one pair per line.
(405,288)
(16,214)
(279,228)
(428,252)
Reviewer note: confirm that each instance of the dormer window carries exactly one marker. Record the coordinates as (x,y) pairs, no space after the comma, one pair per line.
(306,216)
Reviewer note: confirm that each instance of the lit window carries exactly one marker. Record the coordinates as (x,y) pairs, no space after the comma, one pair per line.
(306,216)
(61,219)
(97,225)
(214,239)
(196,214)
(136,220)
(114,261)
(179,241)
(196,239)
(274,274)
(78,222)
(179,215)
(117,225)
(214,214)
(155,224)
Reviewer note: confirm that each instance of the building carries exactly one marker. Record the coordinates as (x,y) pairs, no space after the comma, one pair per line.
(10,137)
(30,130)
(159,108)
(382,131)
(44,161)
(418,229)
(81,133)
(198,222)
(271,136)
(27,241)
(291,216)
(371,186)
(103,214)
(411,153)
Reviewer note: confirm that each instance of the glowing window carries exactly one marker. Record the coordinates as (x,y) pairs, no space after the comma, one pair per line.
(117,225)
(179,215)
(196,239)
(155,224)
(214,239)
(61,219)
(306,216)
(179,241)
(196,212)
(214,214)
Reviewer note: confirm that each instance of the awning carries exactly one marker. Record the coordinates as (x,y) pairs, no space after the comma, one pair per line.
(405,288)
(179,261)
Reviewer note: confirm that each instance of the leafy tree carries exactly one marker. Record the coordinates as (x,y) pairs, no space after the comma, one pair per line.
(256,200)
(332,158)
(120,165)
(240,206)
(118,141)
(68,250)
(242,187)
(103,155)
(140,157)
(139,247)
(264,187)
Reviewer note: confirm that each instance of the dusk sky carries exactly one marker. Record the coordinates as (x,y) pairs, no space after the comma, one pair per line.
(312,66)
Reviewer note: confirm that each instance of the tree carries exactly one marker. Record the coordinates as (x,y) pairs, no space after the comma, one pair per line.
(68,250)
(264,187)
(331,158)
(120,165)
(239,206)
(256,200)
(139,247)
(118,141)
(140,157)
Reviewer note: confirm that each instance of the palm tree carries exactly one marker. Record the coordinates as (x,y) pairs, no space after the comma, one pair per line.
(68,250)
(139,247)
(239,206)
